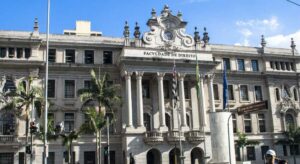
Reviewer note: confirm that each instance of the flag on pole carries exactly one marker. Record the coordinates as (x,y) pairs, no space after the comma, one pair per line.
(174,87)
(225,88)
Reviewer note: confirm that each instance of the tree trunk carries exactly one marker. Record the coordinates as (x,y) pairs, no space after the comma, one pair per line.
(26,133)
(70,153)
(100,146)
(97,148)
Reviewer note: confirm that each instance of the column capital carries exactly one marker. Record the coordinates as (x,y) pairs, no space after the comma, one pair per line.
(139,73)
(180,76)
(210,77)
(160,75)
(126,74)
(201,77)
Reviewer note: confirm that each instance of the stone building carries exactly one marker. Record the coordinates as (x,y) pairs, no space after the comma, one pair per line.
(147,126)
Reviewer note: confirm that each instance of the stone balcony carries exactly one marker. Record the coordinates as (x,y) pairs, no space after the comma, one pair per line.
(7,139)
(175,136)
(153,137)
(195,136)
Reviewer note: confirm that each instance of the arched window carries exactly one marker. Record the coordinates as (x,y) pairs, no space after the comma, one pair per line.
(147,121)
(295,94)
(289,119)
(277,94)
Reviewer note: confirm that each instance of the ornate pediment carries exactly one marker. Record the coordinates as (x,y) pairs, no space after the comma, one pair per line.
(288,104)
(167,30)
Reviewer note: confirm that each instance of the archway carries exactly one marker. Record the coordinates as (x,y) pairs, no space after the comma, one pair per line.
(174,156)
(197,156)
(153,157)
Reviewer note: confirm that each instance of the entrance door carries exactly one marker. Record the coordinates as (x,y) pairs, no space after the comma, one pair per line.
(174,156)
(89,157)
(153,157)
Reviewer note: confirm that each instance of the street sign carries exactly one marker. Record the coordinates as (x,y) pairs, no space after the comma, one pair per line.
(252,107)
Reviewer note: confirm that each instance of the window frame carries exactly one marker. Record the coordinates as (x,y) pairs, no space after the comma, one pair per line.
(89,59)
(111,57)
(263,119)
(73,60)
(53,88)
(240,90)
(261,93)
(70,121)
(257,65)
(50,55)
(240,64)
(216,92)
(228,65)
(66,88)
(248,153)
(248,120)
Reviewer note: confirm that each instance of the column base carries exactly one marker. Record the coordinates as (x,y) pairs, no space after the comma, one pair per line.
(163,129)
(140,129)
(185,128)
(129,129)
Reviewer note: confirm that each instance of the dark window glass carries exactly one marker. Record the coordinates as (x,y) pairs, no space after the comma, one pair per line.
(295,94)
(294,149)
(168,120)
(70,56)
(237,153)
(166,89)
(147,121)
(277,94)
(254,64)
(247,123)
(230,92)
(69,89)
(107,57)
(89,57)
(241,64)
(264,150)
(11,52)
(19,52)
(67,158)
(2,52)
(51,158)
(251,153)
(52,55)
(51,88)
(262,122)
(226,62)
(289,120)
(89,157)
(186,90)
(27,53)
(216,92)
(7,124)
(111,157)
(146,88)
(234,123)
(9,85)
(258,93)
(244,93)
(88,84)
(284,150)
(69,122)
(21,158)
(6,158)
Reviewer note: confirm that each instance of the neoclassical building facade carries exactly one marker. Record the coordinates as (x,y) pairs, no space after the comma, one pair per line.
(148,127)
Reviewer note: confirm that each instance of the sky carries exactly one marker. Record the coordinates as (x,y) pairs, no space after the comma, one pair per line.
(232,22)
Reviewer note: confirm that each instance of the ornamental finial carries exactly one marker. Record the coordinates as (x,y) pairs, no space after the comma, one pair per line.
(126,32)
(205,36)
(263,42)
(153,13)
(196,36)
(36,25)
(137,32)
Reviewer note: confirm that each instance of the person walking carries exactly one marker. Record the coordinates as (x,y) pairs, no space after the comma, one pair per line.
(270,157)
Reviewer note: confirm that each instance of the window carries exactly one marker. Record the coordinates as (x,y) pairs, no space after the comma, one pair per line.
(241,64)
(237,153)
(147,121)
(244,92)
(288,66)
(70,56)
(289,119)
(230,92)
(146,88)
(52,55)
(67,157)
(51,88)
(295,94)
(107,57)
(9,85)
(27,53)
(216,92)
(284,150)
(11,52)
(51,158)
(89,157)
(286,92)
(251,153)
(258,93)
(69,122)
(247,123)
(19,52)
(6,158)
(261,122)
(277,94)
(264,150)
(2,52)
(226,63)
(234,123)
(89,57)
(272,64)
(87,84)
(255,67)
(7,124)
(69,89)
(294,149)
(21,158)
(168,120)
(166,89)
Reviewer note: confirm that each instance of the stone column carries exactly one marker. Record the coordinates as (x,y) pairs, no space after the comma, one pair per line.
(182,101)
(202,102)
(211,92)
(195,108)
(128,98)
(161,101)
(139,97)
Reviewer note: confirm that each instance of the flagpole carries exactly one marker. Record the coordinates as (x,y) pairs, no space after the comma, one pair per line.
(45,154)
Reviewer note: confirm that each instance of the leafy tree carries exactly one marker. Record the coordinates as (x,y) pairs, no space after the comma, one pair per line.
(292,138)
(100,94)
(68,139)
(243,141)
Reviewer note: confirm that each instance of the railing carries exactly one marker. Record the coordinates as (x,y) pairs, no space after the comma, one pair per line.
(7,138)
(195,136)
(153,137)
(175,136)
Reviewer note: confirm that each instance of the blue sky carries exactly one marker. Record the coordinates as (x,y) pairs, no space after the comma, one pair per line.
(239,22)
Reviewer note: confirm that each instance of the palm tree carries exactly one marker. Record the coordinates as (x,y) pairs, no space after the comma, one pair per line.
(68,139)
(292,138)
(243,141)
(100,94)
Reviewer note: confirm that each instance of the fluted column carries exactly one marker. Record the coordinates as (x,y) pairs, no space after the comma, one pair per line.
(161,102)
(139,97)
(128,98)
(202,102)
(182,100)
(211,92)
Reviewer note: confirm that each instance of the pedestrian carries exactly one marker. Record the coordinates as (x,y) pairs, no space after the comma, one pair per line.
(270,157)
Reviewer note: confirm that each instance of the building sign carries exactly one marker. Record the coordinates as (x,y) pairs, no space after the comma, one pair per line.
(252,107)
(166,54)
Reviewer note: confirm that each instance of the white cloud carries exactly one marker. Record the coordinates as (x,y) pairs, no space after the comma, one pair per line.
(264,24)
(283,41)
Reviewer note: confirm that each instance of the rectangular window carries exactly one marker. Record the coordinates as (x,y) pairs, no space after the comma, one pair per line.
(216,92)
(21,158)
(89,157)
(241,64)
(87,84)
(70,56)
(27,53)
(237,153)
(244,92)
(89,57)
(6,158)
(11,52)
(226,63)
(19,52)
(66,157)
(258,93)
(51,88)
(51,158)
(69,88)
(69,122)
(264,150)
(234,123)
(247,123)
(294,149)
(262,122)
(2,52)
(146,88)
(251,153)
(284,150)
(166,89)
(52,55)
(254,64)
(107,57)
(230,92)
